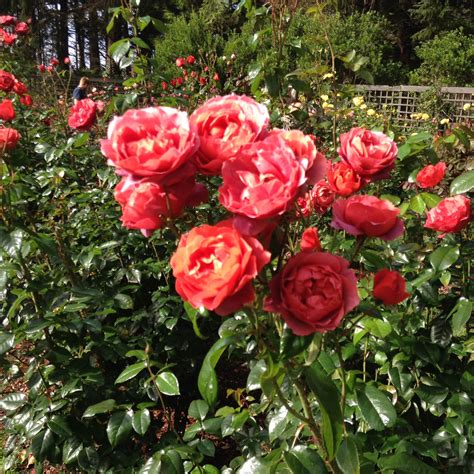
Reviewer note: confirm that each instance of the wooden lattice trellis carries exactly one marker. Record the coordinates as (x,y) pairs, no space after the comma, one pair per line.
(405,100)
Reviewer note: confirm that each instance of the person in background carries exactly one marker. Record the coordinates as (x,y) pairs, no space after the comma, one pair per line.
(80,92)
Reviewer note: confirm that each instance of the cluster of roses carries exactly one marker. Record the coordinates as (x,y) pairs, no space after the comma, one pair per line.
(199,77)
(53,63)
(9,137)
(11,29)
(158,152)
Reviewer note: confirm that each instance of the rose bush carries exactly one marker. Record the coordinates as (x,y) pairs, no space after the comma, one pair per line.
(128,368)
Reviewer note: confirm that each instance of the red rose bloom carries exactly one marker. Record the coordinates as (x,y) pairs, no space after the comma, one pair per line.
(304,206)
(262,181)
(9,138)
(322,197)
(49,68)
(42,68)
(343,180)
(7,81)
(389,287)
(313,292)
(310,240)
(67,61)
(431,175)
(22,28)
(450,215)
(215,77)
(313,162)
(367,215)
(214,267)
(191,59)
(7,20)
(83,114)
(7,112)
(180,62)
(146,205)
(153,141)
(19,87)
(164,85)
(372,155)
(202,81)
(225,125)
(26,100)
(54,62)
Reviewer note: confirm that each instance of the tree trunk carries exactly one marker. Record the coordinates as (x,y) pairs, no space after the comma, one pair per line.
(62,40)
(94,51)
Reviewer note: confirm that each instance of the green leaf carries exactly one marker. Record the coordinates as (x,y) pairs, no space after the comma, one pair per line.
(403,462)
(278,422)
(462,314)
(124,301)
(404,151)
(376,408)
(98,408)
(42,444)
(119,49)
(304,460)
(328,398)
(71,449)
(119,427)
(291,345)
(141,421)
(417,204)
(253,380)
(12,401)
(198,409)
(348,458)
(443,257)
(463,183)
(431,200)
(140,43)
(193,315)
(130,372)
(88,460)
(167,383)
(7,341)
(432,394)
(58,425)
(254,465)
(207,379)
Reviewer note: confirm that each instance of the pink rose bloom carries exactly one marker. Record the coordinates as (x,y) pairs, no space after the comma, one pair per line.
(225,125)
(371,155)
(313,292)
(368,216)
(450,215)
(153,141)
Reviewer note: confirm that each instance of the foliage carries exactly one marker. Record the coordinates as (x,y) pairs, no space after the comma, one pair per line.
(447,60)
(106,369)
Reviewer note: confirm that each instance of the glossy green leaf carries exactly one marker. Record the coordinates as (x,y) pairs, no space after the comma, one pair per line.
(58,425)
(432,394)
(42,444)
(198,409)
(98,408)
(71,449)
(207,379)
(88,459)
(12,401)
(431,200)
(328,398)
(119,427)
(417,204)
(7,341)
(443,257)
(347,457)
(304,460)
(291,345)
(462,314)
(119,49)
(376,408)
(141,421)
(278,421)
(167,383)
(130,372)
(405,463)
(254,465)
(463,183)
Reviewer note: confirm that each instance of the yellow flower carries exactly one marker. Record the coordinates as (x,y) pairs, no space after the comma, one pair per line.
(328,75)
(327,106)
(371,112)
(325,97)
(358,101)
(466,107)
(425,116)
(363,106)
(444,121)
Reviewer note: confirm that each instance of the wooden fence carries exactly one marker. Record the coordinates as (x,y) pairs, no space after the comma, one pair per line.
(405,101)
